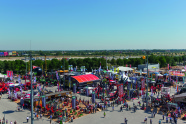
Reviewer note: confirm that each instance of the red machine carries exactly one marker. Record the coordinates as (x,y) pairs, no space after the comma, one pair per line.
(3,87)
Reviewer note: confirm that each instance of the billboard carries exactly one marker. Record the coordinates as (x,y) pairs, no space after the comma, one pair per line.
(5,53)
(10,53)
(1,53)
(14,53)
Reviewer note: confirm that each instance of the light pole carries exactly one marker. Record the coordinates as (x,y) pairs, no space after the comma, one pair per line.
(63,71)
(147,81)
(31,96)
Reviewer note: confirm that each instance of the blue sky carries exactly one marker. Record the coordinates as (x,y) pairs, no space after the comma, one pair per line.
(92,24)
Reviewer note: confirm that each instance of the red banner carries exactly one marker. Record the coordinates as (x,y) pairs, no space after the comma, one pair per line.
(120,90)
(9,73)
(143,85)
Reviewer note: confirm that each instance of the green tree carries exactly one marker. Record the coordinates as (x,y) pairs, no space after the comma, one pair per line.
(163,62)
(120,62)
(1,66)
(113,61)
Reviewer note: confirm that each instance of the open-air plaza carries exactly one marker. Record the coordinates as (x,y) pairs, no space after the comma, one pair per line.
(146,94)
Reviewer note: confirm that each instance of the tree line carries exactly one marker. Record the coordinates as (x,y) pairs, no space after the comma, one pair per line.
(19,66)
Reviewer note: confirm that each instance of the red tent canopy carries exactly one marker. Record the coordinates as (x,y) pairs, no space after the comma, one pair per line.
(85,78)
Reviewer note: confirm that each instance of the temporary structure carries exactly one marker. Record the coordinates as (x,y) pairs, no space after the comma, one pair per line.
(121,68)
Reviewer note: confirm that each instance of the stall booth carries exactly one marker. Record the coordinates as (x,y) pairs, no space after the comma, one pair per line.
(82,81)
(38,100)
(180,98)
(177,76)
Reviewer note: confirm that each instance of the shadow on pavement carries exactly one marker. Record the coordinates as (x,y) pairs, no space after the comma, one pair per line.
(8,112)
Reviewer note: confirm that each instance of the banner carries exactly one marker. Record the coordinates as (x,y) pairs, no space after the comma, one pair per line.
(143,85)
(93,97)
(9,73)
(117,70)
(73,102)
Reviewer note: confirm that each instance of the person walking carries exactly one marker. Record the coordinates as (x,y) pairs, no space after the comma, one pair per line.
(154,114)
(125,121)
(159,121)
(163,116)
(6,121)
(104,114)
(10,122)
(170,120)
(40,116)
(50,121)
(145,120)
(27,118)
(112,108)
(175,120)
(166,119)
(150,121)
(121,109)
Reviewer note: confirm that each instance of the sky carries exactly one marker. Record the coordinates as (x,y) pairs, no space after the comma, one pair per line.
(92,24)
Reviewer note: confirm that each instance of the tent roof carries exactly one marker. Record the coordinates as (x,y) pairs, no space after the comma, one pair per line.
(85,78)
(121,68)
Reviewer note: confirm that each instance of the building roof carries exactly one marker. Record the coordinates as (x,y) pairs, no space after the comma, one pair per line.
(85,78)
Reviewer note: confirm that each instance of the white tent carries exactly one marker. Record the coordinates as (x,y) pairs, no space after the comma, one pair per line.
(121,68)
(2,76)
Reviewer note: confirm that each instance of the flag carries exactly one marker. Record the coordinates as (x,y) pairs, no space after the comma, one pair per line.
(21,89)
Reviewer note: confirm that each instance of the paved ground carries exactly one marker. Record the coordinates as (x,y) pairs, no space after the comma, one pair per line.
(117,117)
(112,117)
